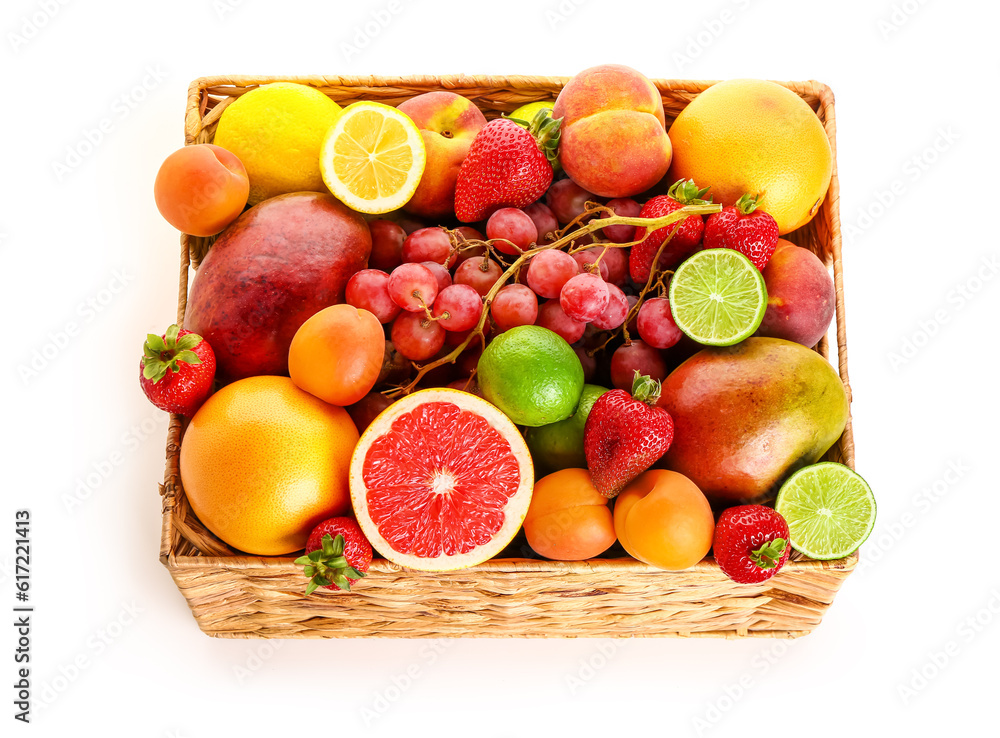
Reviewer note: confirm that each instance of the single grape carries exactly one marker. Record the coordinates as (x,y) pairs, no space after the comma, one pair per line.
(549,270)
(566,199)
(614,314)
(628,208)
(416,336)
(428,244)
(585,297)
(655,324)
(467,385)
(632,326)
(514,305)
(365,410)
(458,307)
(589,363)
(544,220)
(480,273)
(412,286)
(552,316)
(617,262)
(409,223)
(441,274)
(369,290)
(635,356)
(468,361)
(511,224)
(588,257)
(387,244)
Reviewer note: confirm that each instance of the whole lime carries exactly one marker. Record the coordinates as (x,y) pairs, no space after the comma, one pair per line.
(559,446)
(532,375)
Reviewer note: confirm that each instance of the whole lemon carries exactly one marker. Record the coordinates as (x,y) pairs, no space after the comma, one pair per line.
(753,136)
(263,462)
(277,130)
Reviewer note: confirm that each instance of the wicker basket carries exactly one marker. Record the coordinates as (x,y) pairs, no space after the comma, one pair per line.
(234,595)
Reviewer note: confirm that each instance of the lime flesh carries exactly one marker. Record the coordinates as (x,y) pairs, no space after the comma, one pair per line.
(829,508)
(718,297)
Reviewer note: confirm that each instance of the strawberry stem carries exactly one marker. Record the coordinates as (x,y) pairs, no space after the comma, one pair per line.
(327,565)
(768,555)
(165,354)
(747,203)
(645,388)
(686,192)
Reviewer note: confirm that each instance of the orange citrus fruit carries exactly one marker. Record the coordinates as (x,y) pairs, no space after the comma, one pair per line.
(752,136)
(441,480)
(262,462)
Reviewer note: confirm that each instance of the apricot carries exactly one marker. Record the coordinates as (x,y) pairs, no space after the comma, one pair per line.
(614,140)
(337,354)
(201,189)
(568,520)
(663,519)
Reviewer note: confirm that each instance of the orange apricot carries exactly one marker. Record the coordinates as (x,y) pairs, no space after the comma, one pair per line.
(568,520)
(201,189)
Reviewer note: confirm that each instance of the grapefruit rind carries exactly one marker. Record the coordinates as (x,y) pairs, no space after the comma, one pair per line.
(514,511)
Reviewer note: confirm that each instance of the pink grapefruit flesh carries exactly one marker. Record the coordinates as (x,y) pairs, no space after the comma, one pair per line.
(441,480)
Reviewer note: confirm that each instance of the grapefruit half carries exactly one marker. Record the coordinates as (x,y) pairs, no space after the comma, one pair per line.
(441,480)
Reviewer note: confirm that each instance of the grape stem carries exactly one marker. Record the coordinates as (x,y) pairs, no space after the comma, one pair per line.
(566,237)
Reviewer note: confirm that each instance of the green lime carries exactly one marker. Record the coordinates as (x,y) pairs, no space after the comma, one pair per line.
(829,508)
(559,445)
(718,297)
(531,374)
(528,111)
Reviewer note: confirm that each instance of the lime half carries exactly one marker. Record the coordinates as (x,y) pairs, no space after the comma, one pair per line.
(829,508)
(718,297)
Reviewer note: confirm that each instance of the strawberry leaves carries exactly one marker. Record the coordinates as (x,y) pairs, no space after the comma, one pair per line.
(327,565)
(165,354)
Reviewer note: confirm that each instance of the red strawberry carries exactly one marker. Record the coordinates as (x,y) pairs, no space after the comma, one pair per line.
(742,227)
(177,370)
(507,166)
(751,543)
(337,555)
(625,435)
(685,241)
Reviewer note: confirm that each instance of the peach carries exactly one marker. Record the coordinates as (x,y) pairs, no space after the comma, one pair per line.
(801,301)
(614,140)
(568,520)
(447,123)
(201,189)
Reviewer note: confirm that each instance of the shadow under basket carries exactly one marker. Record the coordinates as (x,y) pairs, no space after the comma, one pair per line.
(234,595)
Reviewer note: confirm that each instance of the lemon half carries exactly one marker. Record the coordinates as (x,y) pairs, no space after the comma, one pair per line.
(372,158)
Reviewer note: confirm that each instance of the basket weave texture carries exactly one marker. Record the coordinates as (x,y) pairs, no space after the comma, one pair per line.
(234,595)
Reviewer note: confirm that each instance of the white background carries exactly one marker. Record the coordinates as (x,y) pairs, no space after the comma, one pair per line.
(916,111)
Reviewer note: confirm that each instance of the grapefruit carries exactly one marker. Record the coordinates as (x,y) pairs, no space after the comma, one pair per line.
(441,480)
(263,462)
(753,136)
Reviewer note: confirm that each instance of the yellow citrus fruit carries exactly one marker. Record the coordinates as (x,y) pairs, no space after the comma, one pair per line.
(749,135)
(262,462)
(373,158)
(277,130)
